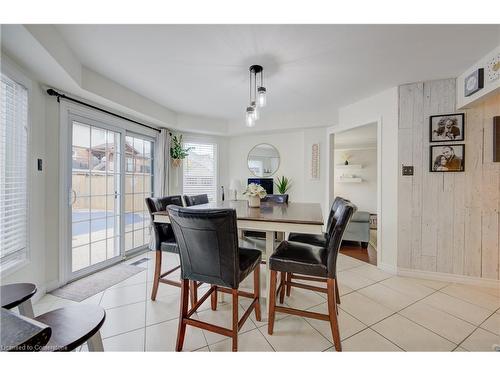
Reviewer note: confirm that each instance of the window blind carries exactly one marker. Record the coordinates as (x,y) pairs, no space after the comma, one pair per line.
(13,170)
(200,170)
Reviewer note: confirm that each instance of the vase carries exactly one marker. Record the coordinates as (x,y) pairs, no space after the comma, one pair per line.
(254,201)
(346,162)
(176,163)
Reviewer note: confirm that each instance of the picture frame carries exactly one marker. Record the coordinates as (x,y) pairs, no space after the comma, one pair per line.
(474,82)
(447,127)
(447,158)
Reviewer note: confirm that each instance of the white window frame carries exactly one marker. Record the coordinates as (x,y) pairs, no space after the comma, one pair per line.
(16,263)
(204,141)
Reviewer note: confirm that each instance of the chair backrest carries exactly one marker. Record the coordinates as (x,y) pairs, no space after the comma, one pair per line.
(335,205)
(208,244)
(340,222)
(194,200)
(276,198)
(162,231)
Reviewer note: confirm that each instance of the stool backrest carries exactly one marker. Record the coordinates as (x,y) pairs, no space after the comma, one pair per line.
(335,205)
(276,198)
(193,200)
(162,231)
(208,244)
(340,222)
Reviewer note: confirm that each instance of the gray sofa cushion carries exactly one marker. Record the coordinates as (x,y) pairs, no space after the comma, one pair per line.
(361,217)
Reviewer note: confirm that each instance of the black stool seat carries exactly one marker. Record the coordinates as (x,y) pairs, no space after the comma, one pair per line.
(13,295)
(72,326)
(169,245)
(311,239)
(249,259)
(300,258)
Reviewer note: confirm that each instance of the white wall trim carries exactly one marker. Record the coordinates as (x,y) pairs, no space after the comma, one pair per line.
(448,277)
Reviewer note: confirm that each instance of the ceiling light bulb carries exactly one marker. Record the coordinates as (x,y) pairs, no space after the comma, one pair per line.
(261,97)
(250,119)
(256,112)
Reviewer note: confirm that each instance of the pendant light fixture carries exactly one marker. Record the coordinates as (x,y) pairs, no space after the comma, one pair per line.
(257,94)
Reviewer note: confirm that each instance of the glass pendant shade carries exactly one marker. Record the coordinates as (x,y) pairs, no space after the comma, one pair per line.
(256,112)
(261,97)
(250,119)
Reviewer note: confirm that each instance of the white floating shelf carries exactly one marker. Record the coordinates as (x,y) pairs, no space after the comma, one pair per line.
(350,179)
(349,166)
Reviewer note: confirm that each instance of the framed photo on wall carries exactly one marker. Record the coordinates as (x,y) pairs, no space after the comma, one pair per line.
(445,128)
(447,158)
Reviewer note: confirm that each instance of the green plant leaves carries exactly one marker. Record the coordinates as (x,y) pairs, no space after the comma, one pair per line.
(176,149)
(283,184)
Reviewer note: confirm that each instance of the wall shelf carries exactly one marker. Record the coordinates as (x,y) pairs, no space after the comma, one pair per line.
(350,179)
(349,166)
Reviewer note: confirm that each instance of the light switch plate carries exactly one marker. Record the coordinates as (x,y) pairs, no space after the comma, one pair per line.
(407,170)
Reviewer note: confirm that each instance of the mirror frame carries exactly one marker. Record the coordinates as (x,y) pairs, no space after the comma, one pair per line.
(279,160)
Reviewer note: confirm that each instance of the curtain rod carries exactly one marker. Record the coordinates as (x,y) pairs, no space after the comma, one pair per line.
(53,92)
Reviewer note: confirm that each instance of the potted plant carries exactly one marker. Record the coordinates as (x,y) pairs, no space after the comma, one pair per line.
(283,184)
(254,193)
(177,151)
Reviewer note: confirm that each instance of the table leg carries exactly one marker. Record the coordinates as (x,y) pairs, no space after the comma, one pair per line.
(269,251)
(26,309)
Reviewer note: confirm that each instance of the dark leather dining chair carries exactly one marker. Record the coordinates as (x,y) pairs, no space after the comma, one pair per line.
(276,198)
(316,239)
(164,242)
(314,263)
(193,200)
(210,253)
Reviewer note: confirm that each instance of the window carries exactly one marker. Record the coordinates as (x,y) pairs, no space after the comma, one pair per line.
(200,170)
(13,172)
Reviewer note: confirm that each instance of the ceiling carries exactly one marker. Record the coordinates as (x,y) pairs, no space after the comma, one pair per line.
(361,136)
(203,69)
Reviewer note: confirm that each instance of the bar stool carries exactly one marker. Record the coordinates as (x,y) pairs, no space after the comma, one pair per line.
(194,200)
(209,252)
(315,263)
(18,295)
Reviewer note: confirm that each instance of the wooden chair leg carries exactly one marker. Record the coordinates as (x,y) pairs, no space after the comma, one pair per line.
(213,298)
(181,332)
(288,285)
(256,291)
(282,290)
(156,280)
(235,319)
(337,294)
(332,313)
(193,292)
(272,303)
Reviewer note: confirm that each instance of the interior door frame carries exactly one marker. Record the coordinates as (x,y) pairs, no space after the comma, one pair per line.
(67,111)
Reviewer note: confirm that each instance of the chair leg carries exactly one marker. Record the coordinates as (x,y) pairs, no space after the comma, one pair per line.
(193,292)
(95,343)
(337,294)
(283,283)
(256,291)
(332,313)
(288,285)
(213,298)
(156,280)
(272,303)
(235,319)
(181,332)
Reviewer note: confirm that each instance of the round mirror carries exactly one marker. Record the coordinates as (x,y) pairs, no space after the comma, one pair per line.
(263,160)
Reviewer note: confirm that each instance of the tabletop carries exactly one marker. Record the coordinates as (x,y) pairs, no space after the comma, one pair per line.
(19,333)
(293,212)
(15,294)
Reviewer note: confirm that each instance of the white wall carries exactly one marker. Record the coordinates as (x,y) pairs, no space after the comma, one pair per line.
(294,148)
(363,194)
(383,109)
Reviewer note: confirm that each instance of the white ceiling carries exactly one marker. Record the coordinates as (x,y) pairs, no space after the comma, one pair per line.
(361,136)
(203,69)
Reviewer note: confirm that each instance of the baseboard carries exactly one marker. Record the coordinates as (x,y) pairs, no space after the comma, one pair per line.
(448,277)
(389,268)
(52,285)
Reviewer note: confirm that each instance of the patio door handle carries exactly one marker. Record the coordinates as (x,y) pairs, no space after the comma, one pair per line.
(73,199)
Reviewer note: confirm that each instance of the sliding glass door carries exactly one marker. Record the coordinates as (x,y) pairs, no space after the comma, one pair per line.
(111,175)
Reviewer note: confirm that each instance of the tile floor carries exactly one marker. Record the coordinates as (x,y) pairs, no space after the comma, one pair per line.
(378,312)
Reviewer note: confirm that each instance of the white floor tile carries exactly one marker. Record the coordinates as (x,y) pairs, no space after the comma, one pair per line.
(481,341)
(408,287)
(162,309)
(295,334)
(162,337)
(368,341)
(348,325)
(138,278)
(371,272)
(457,307)
(123,296)
(387,296)
(123,319)
(492,324)
(303,299)
(127,342)
(410,336)
(345,262)
(353,280)
(364,309)
(473,296)
(434,284)
(439,322)
(252,341)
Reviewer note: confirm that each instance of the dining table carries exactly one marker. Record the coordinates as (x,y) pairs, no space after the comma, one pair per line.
(275,219)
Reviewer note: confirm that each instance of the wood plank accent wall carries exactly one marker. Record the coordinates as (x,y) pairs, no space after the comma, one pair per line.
(448,222)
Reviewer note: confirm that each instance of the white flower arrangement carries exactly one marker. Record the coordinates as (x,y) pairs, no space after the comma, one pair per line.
(254,190)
